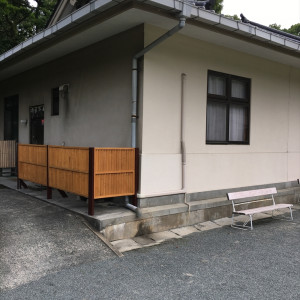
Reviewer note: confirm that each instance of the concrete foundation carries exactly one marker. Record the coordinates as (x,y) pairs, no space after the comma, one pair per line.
(117,223)
(170,216)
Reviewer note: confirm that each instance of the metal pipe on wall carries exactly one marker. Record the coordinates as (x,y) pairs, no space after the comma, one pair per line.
(135,88)
(135,74)
(182,137)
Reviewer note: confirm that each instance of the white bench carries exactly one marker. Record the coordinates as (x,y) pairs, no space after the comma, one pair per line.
(237,199)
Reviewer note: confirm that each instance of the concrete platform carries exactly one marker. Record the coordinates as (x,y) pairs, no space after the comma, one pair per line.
(106,210)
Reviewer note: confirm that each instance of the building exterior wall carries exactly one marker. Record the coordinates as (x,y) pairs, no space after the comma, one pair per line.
(274,151)
(98,109)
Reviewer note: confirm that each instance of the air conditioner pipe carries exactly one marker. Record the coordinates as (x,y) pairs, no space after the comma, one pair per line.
(135,87)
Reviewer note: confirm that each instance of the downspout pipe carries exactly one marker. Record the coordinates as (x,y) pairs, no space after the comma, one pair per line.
(182,136)
(135,74)
(131,207)
(165,36)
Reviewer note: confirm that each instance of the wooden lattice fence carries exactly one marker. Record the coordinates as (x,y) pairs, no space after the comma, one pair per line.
(89,172)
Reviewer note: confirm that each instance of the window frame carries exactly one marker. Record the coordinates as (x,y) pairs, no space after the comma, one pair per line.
(229,101)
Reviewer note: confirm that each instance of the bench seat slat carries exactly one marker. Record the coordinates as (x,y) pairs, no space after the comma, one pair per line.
(263,209)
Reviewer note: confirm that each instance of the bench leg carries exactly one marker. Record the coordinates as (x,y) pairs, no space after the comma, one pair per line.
(250,216)
(283,217)
(243,226)
(291,213)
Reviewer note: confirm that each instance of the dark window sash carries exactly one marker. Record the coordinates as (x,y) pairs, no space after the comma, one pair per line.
(230,102)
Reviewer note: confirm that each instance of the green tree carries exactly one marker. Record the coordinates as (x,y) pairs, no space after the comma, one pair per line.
(14,27)
(294,29)
(218,6)
(234,17)
(20,20)
(42,13)
(275,26)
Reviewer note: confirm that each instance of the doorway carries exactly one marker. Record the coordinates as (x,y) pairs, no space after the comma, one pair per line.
(11,118)
(36,124)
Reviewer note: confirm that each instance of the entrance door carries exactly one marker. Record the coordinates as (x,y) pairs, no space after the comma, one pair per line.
(11,117)
(37,124)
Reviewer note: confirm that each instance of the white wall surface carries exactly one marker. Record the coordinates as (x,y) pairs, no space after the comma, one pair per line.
(274,151)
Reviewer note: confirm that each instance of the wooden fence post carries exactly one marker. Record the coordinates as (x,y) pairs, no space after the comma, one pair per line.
(17,163)
(49,189)
(16,159)
(91,200)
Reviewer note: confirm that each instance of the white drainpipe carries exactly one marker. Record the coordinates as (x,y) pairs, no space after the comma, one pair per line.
(135,74)
(135,87)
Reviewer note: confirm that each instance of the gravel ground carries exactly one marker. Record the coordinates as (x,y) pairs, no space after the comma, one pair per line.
(38,239)
(68,262)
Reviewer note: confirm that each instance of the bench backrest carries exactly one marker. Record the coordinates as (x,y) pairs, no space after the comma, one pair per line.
(249,194)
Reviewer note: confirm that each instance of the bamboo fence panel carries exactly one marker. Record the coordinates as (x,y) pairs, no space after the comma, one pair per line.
(114,172)
(32,163)
(68,169)
(7,154)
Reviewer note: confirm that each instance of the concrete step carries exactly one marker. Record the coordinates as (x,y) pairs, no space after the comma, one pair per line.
(122,215)
(163,210)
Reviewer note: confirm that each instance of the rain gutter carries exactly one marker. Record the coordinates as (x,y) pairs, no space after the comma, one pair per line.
(135,74)
(196,14)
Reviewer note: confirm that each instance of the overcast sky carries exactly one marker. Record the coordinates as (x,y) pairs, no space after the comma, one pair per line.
(282,12)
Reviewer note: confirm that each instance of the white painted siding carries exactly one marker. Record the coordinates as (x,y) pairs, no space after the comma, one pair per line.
(274,151)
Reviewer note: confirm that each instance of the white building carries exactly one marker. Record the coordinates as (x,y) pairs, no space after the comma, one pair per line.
(218,100)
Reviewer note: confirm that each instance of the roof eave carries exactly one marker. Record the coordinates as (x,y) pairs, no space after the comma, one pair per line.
(193,14)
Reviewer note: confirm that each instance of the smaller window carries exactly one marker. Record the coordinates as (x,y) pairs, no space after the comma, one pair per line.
(55,102)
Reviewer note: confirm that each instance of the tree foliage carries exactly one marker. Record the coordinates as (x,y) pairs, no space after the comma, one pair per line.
(20,20)
(234,17)
(294,29)
(218,6)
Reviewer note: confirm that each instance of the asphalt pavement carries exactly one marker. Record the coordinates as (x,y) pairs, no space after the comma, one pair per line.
(48,253)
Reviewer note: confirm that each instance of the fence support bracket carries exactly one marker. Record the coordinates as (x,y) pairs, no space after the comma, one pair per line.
(63,193)
(20,184)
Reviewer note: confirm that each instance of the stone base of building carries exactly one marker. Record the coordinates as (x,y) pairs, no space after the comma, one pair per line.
(173,212)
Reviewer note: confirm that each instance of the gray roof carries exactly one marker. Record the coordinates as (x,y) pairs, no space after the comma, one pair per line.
(199,18)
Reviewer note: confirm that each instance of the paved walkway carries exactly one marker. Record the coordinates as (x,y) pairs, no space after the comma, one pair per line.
(160,237)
